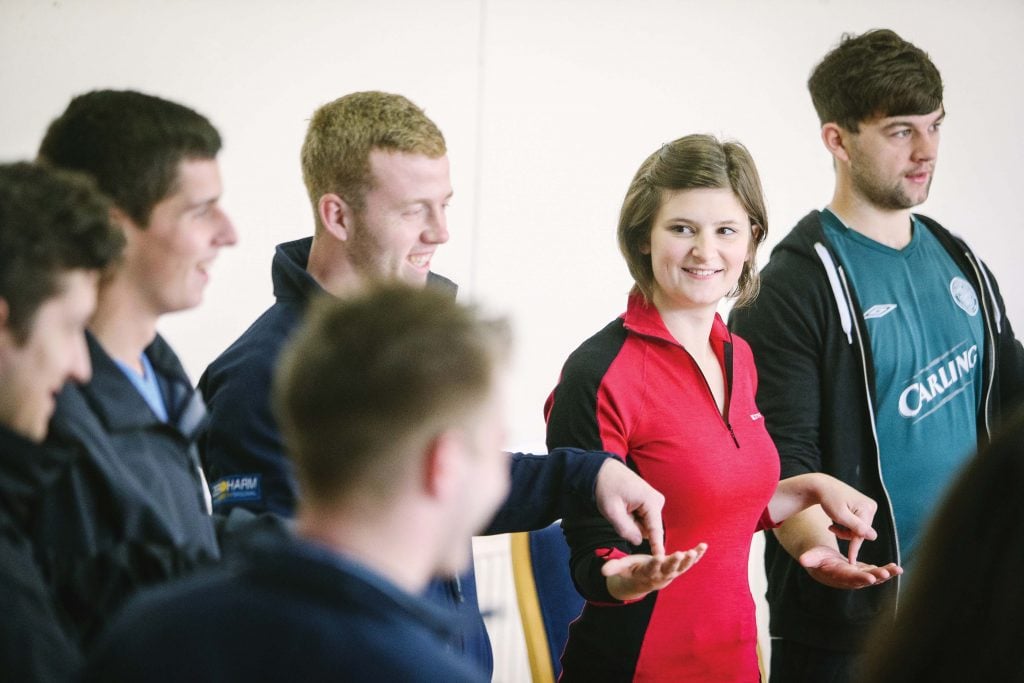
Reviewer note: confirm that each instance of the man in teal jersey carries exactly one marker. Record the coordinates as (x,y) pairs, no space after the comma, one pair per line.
(883,351)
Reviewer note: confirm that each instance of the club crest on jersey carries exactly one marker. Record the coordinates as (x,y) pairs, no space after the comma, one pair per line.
(963,295)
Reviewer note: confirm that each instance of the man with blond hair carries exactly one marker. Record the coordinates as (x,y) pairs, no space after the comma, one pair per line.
(376,169)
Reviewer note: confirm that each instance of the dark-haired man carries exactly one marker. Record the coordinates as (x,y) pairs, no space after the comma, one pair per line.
(376,171)
(132,507)
(883,351)
(55,240)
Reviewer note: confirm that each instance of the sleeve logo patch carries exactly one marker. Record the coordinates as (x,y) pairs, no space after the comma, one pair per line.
(237,488)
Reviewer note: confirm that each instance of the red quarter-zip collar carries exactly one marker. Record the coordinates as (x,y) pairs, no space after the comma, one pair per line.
(641,317)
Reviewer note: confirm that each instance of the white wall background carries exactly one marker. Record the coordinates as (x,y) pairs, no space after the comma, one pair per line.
(548,107)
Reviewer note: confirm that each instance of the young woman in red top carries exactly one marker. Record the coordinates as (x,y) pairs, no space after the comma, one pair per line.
(671,390)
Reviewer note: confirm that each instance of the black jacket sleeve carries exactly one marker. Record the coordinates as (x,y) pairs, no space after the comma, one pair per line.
(34,644)
(572,420)
(784,328)
(1010,371)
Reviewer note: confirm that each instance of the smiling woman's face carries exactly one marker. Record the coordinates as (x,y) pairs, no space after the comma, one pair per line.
(700,240)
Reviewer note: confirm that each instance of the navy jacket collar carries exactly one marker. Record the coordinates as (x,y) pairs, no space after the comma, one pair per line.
(293,283)
(369,590)
(119,405)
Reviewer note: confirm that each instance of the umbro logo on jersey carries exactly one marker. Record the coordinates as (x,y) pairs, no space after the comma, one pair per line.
(879,310)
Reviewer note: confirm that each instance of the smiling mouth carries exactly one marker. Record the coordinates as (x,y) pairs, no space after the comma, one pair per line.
(702,272)
(420,260)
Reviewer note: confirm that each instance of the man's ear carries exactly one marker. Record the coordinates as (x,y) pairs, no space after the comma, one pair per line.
(128,227)
(336,215)
(120,219)
(443,461)
(836,138)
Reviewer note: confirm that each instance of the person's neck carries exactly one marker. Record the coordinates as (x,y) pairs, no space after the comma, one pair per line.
(122,324)
(891,227)
(690,327)
(358,533)
(329,266)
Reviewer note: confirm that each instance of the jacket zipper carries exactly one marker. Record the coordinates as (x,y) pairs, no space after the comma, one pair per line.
(991,346)
(724,414)
(727,356)
(874,431)
(727,353)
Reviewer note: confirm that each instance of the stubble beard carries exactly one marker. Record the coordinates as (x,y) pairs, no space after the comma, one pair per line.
(889,197)
(367,255)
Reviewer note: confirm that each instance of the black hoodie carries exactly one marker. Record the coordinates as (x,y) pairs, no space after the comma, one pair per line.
(816,390)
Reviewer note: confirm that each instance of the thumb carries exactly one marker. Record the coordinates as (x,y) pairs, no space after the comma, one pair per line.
(618,565)
(815,556)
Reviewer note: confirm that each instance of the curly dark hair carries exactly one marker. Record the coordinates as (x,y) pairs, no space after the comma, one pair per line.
(51,222)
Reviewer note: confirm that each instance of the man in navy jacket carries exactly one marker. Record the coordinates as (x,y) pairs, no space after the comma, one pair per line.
(376,171)
(55,241)
(391,407)
(131,508)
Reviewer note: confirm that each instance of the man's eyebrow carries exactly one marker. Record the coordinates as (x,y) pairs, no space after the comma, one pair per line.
(899,122)
(199,203)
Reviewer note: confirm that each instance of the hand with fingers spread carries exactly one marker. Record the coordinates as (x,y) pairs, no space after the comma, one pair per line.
(810,537)
(631,577)
(831,568)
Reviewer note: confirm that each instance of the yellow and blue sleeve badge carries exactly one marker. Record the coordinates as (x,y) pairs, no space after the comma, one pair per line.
(237,488)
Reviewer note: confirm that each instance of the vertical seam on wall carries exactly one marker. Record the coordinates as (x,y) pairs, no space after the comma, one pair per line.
(474,250)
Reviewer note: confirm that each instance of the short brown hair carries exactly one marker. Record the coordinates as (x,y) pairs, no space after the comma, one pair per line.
(371,378)
(874,75)
(131,143)
(341,135)
(691,162)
